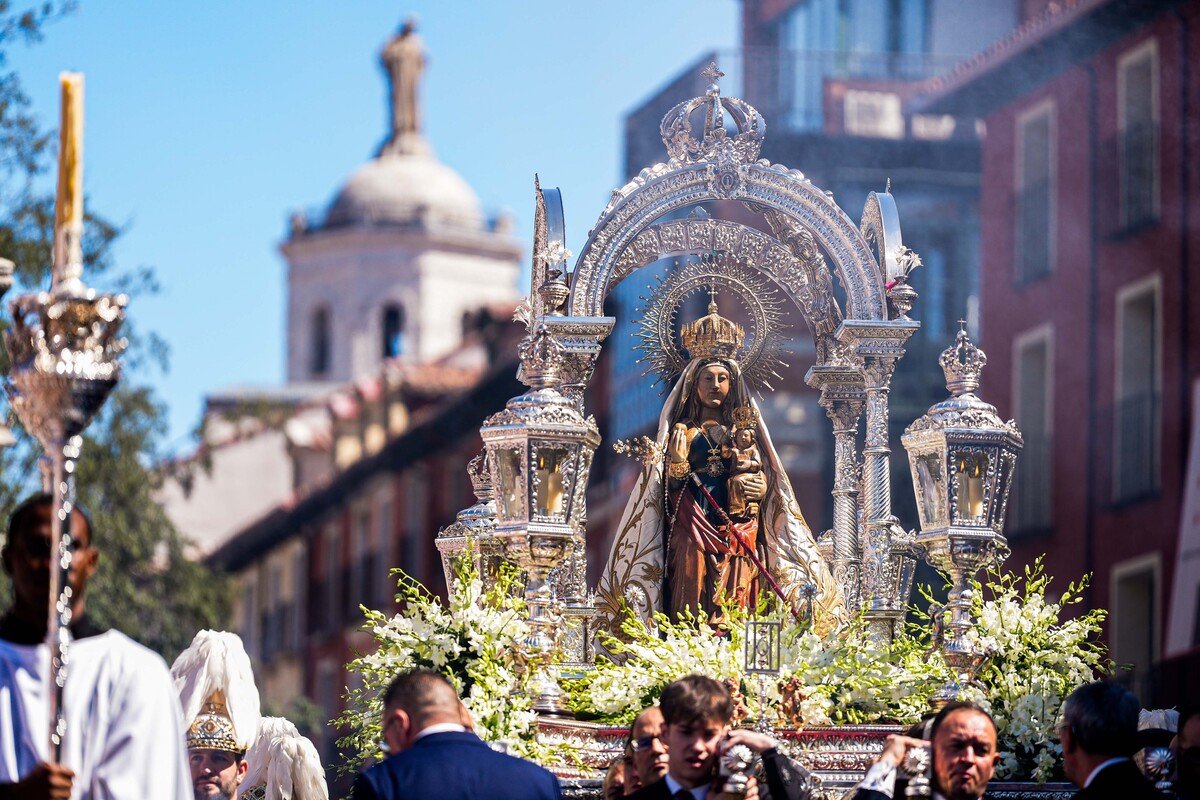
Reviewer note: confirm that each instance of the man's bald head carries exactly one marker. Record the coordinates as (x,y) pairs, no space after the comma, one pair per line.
(425,696)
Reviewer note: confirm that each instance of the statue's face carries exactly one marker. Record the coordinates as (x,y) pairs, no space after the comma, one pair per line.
(743,438)
(712,385)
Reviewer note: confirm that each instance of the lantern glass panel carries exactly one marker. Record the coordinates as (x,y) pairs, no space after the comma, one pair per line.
(972,472)
(548,477)
(508,465)
(931,480)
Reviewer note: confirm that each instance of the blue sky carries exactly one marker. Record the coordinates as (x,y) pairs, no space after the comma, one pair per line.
(207,123)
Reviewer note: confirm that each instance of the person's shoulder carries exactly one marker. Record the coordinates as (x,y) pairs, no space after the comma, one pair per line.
(1125,779)
(654,791)
(514,765)
(127,659)
(121,646)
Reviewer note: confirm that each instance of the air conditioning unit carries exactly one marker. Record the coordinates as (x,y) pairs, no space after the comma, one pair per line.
(873,114)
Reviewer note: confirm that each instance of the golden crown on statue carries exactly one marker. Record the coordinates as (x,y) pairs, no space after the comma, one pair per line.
(712,336)
(745,417)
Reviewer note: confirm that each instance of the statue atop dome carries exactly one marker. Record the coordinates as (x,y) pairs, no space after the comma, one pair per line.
(403,60)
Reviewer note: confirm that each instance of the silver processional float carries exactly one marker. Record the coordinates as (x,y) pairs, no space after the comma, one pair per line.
(537,452)
(63,348)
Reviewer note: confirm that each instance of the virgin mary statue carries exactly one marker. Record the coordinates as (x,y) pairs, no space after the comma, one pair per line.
(681,544)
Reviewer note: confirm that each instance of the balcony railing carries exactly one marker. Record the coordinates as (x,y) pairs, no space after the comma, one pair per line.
(1032,495)
(788,86)
(1130,164)
(1137,443)
(1033,243)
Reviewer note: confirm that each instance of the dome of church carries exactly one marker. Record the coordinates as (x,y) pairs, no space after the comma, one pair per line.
(411,187)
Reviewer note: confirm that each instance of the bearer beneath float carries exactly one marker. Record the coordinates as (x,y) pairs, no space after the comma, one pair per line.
(220,704)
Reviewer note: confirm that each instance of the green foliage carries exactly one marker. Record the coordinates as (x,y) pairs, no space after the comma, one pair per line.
(144,586)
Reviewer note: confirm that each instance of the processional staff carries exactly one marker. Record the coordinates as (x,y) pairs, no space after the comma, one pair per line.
(63,347)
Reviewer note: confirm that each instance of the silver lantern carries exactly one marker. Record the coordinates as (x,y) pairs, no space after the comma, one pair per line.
(471,535)
(539,452)
(962,457)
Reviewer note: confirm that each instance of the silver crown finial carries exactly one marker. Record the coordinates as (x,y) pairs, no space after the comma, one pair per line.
(541,359)
(962,362)
(713,75)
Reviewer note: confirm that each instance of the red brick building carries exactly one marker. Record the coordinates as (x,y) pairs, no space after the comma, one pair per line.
(1090,261)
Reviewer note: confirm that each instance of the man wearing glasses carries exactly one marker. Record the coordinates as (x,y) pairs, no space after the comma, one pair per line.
(649,756)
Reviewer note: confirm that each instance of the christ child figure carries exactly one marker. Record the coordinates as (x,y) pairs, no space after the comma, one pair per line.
(741,448)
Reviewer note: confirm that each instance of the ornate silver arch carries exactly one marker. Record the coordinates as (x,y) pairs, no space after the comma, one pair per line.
(794,263)
(666,188)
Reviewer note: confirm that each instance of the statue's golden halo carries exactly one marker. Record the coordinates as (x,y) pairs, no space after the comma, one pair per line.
(724,273)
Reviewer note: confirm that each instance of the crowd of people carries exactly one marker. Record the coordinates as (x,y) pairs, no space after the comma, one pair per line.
(135,729)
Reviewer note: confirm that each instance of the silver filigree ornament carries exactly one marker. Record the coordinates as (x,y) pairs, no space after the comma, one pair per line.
(63,349)
(472,534)
(761,359)
(715,144)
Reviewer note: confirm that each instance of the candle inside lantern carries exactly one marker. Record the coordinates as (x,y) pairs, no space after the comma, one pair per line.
(550,482)
(972,470)
(68,206)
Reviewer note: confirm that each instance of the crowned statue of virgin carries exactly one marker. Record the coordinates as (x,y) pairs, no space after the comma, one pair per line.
(712,520)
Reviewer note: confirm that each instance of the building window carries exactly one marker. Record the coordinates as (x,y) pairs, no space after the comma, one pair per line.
(1135,618)
(250,616)
(272,612)
(1032,388)
(327,700)
(412,559)
(363,562)
(299,597)
(1035,194)
(1137,122)
(333,596)
(387,586)
(1137,428)
(319,357)
(393,330)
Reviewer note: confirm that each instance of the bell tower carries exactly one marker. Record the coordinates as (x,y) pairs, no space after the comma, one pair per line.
(392,265)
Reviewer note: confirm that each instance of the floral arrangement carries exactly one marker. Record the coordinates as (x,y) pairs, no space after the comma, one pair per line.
(1038,659)
(840,678)
(844,677)
(475,641)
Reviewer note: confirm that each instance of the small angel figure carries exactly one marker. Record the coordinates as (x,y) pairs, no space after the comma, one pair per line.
(741,449)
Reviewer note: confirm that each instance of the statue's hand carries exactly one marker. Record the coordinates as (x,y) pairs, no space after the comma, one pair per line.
(755,487)
(677,446)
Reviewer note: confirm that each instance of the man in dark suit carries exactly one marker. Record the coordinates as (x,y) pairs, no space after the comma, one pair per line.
(1187,755)
(962,744)
(1099,737)
(433,755)
(697,712)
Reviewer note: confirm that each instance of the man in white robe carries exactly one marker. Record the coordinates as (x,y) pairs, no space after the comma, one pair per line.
(123,718)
